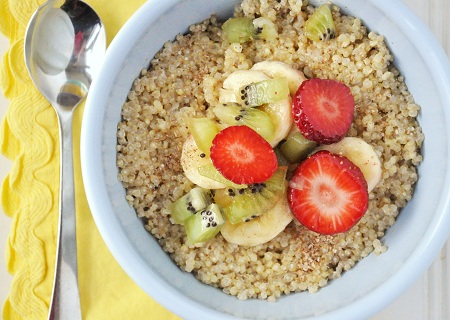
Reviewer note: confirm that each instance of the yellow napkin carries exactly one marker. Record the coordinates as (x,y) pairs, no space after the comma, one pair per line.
(29,194)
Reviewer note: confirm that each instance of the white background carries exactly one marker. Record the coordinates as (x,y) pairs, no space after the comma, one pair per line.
(427,299)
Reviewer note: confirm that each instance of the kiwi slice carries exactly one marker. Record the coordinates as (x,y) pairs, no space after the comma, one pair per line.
(265,28)
(211,172)
(282,160)
(297,147)
(203,130)
(262,92)
(196,199)
(235,115)
(243,29)
(241,205)
(204,224)
(320,25)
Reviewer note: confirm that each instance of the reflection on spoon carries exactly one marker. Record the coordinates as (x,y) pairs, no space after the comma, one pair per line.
(71,93)
(53,42)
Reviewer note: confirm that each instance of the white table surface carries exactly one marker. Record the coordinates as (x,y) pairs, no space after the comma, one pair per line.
(427,299)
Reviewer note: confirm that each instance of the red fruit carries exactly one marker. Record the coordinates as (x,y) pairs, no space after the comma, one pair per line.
(323,110)
(241,155)
(328,193)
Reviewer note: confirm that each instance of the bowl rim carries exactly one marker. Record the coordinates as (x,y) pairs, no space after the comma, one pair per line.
(118,244)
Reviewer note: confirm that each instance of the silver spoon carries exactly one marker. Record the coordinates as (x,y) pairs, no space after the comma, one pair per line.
(64,45)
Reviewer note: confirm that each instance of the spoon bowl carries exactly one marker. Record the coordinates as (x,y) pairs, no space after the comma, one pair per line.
(64,45)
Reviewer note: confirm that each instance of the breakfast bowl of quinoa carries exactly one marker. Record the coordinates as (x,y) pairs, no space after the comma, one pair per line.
(271,159)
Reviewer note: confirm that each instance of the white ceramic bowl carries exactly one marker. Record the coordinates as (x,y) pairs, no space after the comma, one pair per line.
(413,242)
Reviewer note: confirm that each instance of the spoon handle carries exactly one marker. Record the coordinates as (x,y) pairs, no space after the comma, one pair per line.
(65,302)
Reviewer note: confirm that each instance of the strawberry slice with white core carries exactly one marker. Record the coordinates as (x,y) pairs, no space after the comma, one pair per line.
(328,193)
(323,110)
(242,156)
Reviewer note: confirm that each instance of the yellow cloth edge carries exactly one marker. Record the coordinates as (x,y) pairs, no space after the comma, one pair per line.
(106,291)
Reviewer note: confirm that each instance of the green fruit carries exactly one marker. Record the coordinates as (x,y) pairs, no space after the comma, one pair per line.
(203,130)
(297,147)
(244,29)
(211,172)
(320,25)
(195,200)
(238,29)
(266,91)
(204,224)
(265,29)
(282,160)
(235,115)
(241,205)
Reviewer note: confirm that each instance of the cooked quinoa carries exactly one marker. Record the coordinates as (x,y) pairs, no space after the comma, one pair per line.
(183,81)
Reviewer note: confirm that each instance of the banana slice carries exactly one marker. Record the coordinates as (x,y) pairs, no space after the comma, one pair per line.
(227,96)
(259,230)
(280,112)
(281,115)
(361,154)
(278,69)
(237,79)
(191,160)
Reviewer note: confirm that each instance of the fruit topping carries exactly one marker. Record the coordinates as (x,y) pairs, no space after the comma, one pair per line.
(278,69)
(236,80)
(192,158)
(279,112)
(204,224)
(282,160)
(196,199)
(265,29)
(203,130)
(241,155)
(236,115)
(328,193)
(211,172)
(281,115)
(244,29)
(323,110)
(261,229)
(360,153)
(243,205)
(238,29)
(266,91)
(320,25)
(296,147)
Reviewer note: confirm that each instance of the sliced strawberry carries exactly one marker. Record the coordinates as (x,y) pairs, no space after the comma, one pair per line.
(328,193)
(323,110)
(241,155)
